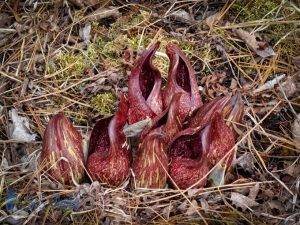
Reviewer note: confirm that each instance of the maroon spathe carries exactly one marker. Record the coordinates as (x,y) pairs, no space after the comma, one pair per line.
(181,79)
(195,151)
(109,156)
(151,163)
(144,88)
(62,150)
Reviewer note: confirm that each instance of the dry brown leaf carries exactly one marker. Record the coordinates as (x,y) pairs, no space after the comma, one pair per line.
(134,130)
(260,48)
(276,204)
(213,19)
(19,128)
(103,13)
(253,192)
(296,130)
(242,201)
(292,169)
(104,83)
(85,3)
(193,208)
(212,85)
(182,16)
(4,20)
(85,33)
(246,161)
(48,26)
(289,88)
(270,84)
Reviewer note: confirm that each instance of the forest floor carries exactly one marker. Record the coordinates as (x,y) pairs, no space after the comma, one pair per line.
(75,56)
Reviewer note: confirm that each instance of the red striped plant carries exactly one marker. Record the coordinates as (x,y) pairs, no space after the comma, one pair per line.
(151,164)
(109,157)
(62,150)
(193,150)
(209,139)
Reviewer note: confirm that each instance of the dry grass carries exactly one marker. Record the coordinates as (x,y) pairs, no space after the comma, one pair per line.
(46,68)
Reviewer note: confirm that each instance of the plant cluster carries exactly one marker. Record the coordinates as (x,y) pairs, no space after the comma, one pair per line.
(184,140)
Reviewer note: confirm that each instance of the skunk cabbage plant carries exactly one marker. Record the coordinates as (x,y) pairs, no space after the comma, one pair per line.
(151,164)
(232,109)
(170,120)
(62,150)
(202,115)
(195,151)
(188,159)
(181,79)
(144,88)
(109,157)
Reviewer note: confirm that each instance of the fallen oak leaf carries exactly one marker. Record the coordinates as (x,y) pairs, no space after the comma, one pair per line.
(260,48)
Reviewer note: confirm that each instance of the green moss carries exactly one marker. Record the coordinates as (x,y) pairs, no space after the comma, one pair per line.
(206,52)
(220,31)
(254,10)
(128,23)
(103,103)
(70,62)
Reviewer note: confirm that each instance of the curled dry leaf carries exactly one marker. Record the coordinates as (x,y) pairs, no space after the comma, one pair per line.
(292,169)
(254,191)
(85,33)
(192,208)
(5,20)
(135,129)
(260,48)
(270,84)
(1,109)
(87,3)
(104,83)
(287,88)
(212,85)
(217,176)
(19,128)
(213,19)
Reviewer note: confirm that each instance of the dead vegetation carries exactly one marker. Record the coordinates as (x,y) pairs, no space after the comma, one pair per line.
(75,56)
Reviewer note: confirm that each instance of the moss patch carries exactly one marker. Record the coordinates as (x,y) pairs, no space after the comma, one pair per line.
(104,103)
